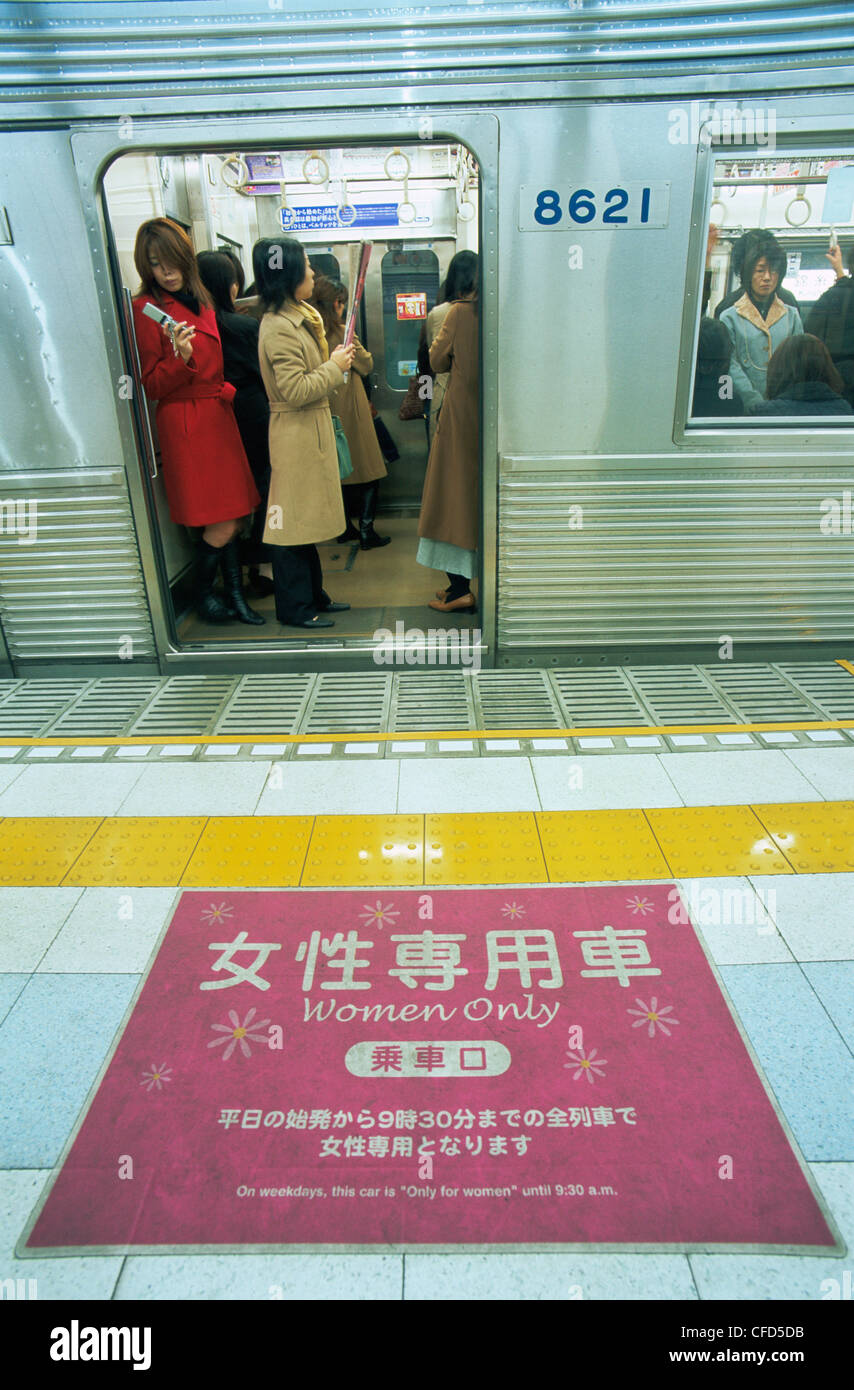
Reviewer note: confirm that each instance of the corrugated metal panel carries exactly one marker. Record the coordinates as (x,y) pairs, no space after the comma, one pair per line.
(669,556)
(76,592)
(53,50)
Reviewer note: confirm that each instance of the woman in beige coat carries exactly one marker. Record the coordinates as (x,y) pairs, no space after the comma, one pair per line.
(299,375)
(449,525)
(350,404)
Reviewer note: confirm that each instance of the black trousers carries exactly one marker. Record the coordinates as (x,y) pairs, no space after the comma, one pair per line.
(299,583)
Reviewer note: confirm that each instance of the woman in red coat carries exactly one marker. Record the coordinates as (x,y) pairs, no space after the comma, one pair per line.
(205,471)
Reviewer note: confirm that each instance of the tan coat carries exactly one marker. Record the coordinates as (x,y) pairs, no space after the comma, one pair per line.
(304,504)
(435,319)
(450,507)
(351,406)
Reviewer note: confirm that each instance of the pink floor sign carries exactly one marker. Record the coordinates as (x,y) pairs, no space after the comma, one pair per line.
(468,1066)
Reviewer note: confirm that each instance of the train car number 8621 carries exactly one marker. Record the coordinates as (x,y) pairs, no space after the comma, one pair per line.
(630,205)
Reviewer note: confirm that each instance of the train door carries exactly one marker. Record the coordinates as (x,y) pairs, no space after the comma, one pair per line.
(227,203)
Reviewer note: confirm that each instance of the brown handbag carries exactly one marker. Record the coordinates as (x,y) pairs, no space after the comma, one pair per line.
(412,405)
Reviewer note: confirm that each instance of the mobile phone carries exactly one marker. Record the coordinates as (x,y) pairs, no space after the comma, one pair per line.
(834,239)
(160,316)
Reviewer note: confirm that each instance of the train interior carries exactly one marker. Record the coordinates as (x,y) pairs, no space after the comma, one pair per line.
(802,199)
(418,205)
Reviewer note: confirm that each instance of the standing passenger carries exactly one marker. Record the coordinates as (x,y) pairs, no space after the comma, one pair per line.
(299,375)
(459,283)
(239,337)
(350,404)
(449,524)
(205,472)
(832,320)
(759,321)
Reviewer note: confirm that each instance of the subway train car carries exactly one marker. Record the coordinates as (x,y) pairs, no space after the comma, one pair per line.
(583,150)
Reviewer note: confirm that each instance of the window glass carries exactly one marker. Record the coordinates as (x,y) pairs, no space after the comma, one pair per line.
(410,280)
(776,334)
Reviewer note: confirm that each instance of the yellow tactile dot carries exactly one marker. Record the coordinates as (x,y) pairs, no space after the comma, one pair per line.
(815,836)
(583,846)
(349,851)
(249,852)
(38,851)
(138,852)
(501,847)
(716,840)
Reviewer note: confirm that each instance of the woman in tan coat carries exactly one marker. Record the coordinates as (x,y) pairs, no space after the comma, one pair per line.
(299,375)
(449,525)
(350,404)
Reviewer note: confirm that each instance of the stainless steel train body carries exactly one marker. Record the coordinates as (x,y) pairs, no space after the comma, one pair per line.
(614,529)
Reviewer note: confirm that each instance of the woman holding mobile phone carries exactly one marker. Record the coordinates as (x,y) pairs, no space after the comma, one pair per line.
(205,471)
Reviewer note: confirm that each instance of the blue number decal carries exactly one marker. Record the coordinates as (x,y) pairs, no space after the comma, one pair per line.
(645,206)
(581,207)
(552,206)
(622,197)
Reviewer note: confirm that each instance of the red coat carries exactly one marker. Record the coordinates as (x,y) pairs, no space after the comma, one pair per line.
(205,471)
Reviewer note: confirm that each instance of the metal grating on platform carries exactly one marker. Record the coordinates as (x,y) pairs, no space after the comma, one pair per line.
(830,688)
(266,705)
(761,693)
(679,695)
(106,708)
(185,705)
(433,700)
(354,703)
(30,709)
(515,700)
(597,698)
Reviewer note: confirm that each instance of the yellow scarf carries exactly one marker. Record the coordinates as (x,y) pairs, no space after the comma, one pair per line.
(315,323)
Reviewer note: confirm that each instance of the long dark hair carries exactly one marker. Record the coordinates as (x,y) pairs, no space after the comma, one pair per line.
(325,295)
(216,269)
(278,264)
(797,360)
(172,247)
(462,277)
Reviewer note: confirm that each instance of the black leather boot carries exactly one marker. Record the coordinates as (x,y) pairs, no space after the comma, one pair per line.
(230,560)
(368,538)
(209,606)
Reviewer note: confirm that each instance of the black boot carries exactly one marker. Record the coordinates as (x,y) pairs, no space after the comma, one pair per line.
(233,587)
(368,538)
(209,606)
(259,584)
(351,534)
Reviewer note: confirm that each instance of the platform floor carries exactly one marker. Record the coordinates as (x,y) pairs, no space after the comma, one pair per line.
(87,824)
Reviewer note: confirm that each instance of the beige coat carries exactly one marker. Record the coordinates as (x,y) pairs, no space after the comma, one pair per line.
(450,507)
(435,319)
(351,406)
(304,504)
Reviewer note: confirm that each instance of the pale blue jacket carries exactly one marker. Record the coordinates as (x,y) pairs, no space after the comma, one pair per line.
(754,340)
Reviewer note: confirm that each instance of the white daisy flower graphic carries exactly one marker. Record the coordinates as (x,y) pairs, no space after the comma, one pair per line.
(217,912)
(241,1033)
(512,910)
(586,1066)
(155,1078)
(380,915)
(640,905)
(654,1016)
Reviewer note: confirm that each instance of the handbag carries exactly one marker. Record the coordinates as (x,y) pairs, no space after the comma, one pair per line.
(345,462)
(412,405)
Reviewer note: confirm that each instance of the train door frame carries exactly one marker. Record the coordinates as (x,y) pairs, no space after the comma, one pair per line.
(5,659)
(95,147)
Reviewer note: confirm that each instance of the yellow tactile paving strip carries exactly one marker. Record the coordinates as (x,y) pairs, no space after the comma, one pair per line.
(408,850)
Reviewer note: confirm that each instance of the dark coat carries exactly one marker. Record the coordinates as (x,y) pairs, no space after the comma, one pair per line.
(239,336)
(806,398)
(450,506)
(707,401)
(832,320)
(205,471)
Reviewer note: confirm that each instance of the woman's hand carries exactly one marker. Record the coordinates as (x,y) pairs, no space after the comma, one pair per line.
(182,340)
(343,357)
(835,258)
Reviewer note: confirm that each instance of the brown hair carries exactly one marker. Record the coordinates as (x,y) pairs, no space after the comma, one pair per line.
(325,295)
(797,360)
(172,247)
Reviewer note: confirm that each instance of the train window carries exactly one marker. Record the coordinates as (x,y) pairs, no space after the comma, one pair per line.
(410,287)
(775,340)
